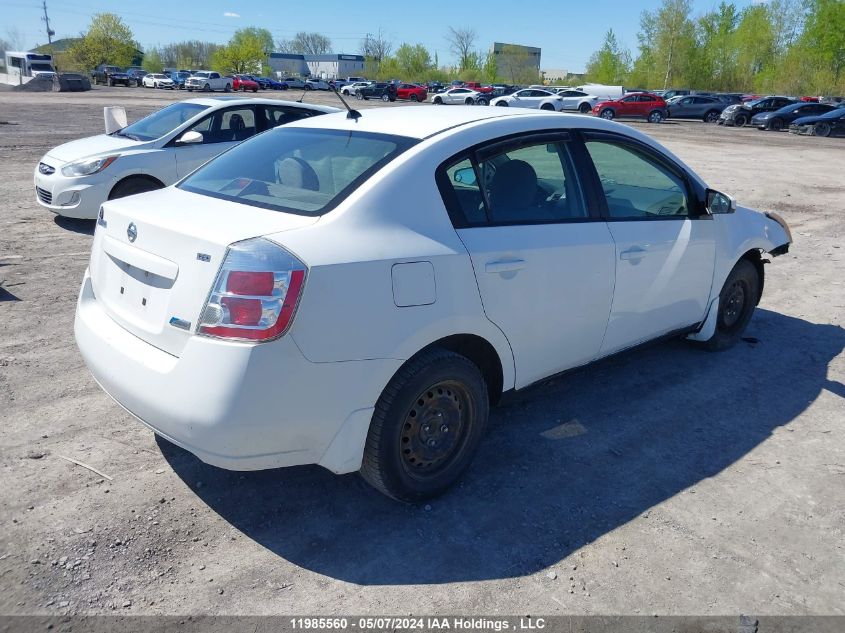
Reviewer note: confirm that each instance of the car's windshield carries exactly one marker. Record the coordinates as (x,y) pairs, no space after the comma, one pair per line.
(305,171)
(161,122)
(41,66)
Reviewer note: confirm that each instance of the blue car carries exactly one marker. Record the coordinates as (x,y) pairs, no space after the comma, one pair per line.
(830,124)
(781,119)
(268,83)
(179,78)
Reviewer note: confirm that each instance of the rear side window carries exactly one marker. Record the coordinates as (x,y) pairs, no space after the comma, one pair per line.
(296,170)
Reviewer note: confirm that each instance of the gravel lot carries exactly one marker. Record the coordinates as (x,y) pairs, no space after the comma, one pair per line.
(666,481)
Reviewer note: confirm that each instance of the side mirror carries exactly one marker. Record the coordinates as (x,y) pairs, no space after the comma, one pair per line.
(718,202)
(465,176)
(190,138)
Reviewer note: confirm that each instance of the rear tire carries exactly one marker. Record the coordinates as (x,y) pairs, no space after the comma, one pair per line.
(737,301)
(133,185)
(385,98)
(711,117)
(655,116)
(414,98)
(426,427)
(437,101)
(469,101)
(547,107)
(584,108)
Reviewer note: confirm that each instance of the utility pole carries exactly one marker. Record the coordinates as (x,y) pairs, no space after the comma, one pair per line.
(46,20)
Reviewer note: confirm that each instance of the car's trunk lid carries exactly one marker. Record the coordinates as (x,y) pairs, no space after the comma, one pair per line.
(155,257)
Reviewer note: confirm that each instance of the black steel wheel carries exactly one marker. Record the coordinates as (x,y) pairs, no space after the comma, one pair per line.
(737,301)
(427,426)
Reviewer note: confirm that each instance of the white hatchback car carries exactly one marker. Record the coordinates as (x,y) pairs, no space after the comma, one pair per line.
(356,293)
(530,98)
(74,179)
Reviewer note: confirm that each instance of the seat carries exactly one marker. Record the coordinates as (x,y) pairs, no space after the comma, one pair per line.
(295,172)
(238,128)
(513,192)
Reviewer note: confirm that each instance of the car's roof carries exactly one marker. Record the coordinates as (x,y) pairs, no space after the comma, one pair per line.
(422,122)
(217,102)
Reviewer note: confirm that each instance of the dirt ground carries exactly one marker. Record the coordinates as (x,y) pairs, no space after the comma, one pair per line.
(665,481)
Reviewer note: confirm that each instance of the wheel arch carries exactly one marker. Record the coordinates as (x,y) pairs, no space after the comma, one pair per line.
(138,176)
(482,354)
(755,256)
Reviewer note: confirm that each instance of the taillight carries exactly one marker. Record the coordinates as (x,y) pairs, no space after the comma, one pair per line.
(255,294)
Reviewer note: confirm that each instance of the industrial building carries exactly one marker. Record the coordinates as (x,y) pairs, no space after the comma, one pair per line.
(516,62)
(332,66)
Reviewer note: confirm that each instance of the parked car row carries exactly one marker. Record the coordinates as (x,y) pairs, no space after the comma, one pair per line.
(213,311)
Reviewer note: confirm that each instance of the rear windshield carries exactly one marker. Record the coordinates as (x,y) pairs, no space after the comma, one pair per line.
(296,170)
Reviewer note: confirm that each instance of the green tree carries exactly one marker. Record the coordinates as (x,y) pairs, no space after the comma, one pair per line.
(823,41)
(152,61)
(414,62)
(107,41)
(246,52)
(610,64)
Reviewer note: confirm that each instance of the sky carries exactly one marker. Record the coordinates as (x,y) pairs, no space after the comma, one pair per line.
(567,32)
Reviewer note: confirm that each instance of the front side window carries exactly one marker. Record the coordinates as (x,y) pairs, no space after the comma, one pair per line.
(227,126)
(524,183)
(305,171)
(162,122)
(635,185)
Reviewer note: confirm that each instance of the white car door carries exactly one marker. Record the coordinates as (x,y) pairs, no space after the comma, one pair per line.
(665,245)
(544,264)
(221,130)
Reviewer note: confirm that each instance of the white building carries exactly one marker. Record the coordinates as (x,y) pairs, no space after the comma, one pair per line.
(331,66)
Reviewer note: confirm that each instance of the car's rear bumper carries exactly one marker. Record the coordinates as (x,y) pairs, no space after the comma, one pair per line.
(234,405)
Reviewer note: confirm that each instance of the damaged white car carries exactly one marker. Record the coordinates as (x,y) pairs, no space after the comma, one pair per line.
(356,291)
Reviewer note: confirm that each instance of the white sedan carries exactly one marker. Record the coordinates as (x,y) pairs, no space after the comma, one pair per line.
(350,89)
(157,80)
(74,179)
(530,98)
(456,96)
(278,307)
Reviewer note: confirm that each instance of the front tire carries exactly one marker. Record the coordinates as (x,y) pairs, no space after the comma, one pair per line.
(737,301)
(821,129)
(426,427)
(133,185)
(776,125)
(359,96)
(740,120)
(608,114)
(207,87)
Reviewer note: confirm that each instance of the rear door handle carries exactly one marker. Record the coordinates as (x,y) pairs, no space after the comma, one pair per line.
(504,266)
(633,253)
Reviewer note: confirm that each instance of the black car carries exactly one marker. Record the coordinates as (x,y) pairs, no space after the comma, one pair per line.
(383,91)
(829,124)
(740,114)
(136,75)
(780,119)
(111,76)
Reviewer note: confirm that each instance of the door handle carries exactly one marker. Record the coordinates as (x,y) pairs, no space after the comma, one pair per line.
(504,266)
(633,253)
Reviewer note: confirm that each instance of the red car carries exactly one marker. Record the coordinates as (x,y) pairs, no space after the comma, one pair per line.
(644,105)
(411,92)
(239,82)
(474,85)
